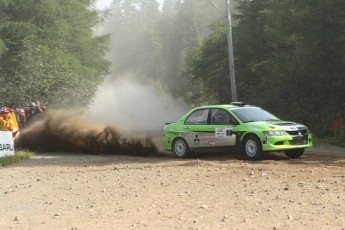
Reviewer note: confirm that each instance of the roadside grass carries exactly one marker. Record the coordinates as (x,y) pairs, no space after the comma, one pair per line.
(19,155)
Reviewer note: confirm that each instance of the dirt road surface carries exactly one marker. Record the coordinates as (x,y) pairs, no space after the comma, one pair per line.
(79,191)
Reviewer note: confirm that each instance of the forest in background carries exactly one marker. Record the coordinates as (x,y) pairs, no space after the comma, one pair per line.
(289,54)
(48,52)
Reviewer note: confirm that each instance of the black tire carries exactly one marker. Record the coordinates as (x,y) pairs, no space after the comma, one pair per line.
(251,148)
(294,153)
(181,148)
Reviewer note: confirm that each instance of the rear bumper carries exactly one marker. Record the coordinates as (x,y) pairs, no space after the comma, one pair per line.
(167,142)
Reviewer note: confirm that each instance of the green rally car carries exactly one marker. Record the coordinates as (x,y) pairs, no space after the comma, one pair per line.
(253,130)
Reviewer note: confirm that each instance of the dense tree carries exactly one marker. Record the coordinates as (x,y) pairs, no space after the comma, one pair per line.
(300,60)
(50,52)
(288,57)
(289,54)
(208,72)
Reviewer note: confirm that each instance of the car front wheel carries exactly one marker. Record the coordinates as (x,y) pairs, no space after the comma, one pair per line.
(294,153)
(181,148)
(251,148)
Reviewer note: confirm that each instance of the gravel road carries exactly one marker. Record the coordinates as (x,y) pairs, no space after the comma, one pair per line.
(80,191)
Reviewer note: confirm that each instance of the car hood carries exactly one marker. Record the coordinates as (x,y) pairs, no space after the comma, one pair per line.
(278,125)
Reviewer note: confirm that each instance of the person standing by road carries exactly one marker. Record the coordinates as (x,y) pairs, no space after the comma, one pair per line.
(14,117)
(6,122)
(21,118)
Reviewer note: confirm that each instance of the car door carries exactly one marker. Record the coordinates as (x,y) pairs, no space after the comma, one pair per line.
(196,130)
(221,124)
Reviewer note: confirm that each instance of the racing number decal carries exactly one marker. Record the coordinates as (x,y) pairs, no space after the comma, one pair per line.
(223,133)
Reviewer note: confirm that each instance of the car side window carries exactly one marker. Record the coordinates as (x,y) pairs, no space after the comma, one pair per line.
(198,117)
(222,117)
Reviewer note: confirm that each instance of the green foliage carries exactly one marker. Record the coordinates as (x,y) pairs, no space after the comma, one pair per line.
(50,52)
(209,70)
(288,57)
(289,54)
(299,63)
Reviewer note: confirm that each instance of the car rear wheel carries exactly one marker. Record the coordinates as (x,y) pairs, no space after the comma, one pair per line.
(251,148)
(294,153)
(181,148)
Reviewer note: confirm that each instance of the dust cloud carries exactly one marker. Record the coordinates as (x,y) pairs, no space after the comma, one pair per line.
(126,117)
(65,131)
(134,106)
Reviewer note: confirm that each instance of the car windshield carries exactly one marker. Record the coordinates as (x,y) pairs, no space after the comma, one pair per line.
(252,114)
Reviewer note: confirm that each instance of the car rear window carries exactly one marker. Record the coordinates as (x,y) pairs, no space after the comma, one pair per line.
(198,117)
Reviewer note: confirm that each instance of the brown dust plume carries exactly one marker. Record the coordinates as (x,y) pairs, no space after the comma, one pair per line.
(57,131)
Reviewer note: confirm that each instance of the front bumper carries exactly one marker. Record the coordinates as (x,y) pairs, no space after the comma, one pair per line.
(281,143)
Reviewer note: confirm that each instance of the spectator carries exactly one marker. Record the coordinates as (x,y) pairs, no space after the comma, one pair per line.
(13,116)
(38,107)
(21,117)
(27,111)
(6,123)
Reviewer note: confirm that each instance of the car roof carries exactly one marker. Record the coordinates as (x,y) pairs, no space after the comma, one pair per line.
(224,106)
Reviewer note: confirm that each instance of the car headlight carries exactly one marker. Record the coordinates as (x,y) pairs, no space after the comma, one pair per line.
(274,133)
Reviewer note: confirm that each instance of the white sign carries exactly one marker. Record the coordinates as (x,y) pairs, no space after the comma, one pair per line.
(6,144)
(223,132)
